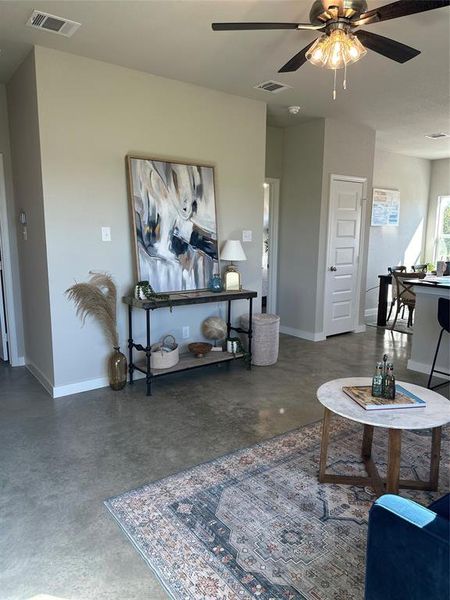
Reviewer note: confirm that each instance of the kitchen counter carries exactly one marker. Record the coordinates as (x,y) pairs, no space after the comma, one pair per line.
(426,326)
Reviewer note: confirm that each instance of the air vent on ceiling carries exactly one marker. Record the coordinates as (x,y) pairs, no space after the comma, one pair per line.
(274,87)
(436,136)
(52,23)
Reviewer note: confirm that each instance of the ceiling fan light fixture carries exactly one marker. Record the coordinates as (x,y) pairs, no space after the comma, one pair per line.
(336,50)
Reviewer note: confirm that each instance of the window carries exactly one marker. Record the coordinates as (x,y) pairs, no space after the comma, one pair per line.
(442,240)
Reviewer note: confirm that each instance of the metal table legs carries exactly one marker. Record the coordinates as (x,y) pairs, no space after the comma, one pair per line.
(147,348)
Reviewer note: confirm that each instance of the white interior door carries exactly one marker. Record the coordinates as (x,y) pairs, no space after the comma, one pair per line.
(341,285)
(3,336)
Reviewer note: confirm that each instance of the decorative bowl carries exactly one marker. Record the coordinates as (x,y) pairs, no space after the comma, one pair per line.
(199,349)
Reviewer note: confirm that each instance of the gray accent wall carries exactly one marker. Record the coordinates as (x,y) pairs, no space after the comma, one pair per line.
(299,226)
(349,150)
(274,152)
(310,153)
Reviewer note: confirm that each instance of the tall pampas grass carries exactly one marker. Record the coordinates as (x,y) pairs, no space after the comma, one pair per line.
(97,299)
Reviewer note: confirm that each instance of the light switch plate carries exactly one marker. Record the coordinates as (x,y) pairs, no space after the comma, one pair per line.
(106,234)
(246,235)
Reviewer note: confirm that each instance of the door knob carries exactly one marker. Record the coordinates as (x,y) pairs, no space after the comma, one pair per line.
(333,269)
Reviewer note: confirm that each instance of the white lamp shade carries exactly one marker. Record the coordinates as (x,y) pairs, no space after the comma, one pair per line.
(232,250)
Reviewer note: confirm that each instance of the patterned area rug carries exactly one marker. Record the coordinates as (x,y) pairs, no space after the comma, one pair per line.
(257,524)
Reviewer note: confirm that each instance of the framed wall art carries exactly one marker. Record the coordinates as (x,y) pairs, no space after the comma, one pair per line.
(385,207)
(174,223)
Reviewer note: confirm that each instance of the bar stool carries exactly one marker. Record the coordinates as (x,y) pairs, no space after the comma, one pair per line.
(444,322)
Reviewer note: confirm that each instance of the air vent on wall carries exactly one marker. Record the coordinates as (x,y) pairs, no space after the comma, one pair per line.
(274,87)
(436,136)
(52,23)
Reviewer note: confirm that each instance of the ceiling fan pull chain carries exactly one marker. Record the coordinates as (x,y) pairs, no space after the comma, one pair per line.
(334,86)
(344,83)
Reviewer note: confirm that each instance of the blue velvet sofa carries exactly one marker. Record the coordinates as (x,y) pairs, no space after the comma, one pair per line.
(408,550)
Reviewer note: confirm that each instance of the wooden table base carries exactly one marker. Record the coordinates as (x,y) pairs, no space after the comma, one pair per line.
(392,483)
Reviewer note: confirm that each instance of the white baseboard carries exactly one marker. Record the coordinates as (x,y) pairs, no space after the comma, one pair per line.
(370,312)
(58,391)
(18,362)
(313,337)
(36,372)
(81,386)
(413,365)
(304,335)
(85,386)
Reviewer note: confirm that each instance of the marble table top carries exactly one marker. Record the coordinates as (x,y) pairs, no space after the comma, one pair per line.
(435,414)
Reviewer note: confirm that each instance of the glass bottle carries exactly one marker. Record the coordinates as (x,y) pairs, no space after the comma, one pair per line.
(384,372)
(377,381)
(389,382)
(117,369)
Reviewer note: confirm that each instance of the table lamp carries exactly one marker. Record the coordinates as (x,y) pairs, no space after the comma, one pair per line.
(232,250)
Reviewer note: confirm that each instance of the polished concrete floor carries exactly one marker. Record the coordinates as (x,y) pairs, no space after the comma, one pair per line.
(61,458)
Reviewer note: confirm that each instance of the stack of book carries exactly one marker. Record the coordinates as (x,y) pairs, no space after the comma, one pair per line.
(403,398)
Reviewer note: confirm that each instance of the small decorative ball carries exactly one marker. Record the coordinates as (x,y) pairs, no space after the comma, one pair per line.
(214,328)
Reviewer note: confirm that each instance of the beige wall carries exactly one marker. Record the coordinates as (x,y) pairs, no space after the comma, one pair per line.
(5,150)
(91,115)
(439,186)
(274,152)
(25,152)
(402,245)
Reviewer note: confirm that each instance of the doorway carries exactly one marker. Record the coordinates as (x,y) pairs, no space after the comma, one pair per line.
(270,246)
(9,350)
(343,268)
(4,354)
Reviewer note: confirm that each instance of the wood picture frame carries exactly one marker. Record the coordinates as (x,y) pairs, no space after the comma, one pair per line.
(173,215)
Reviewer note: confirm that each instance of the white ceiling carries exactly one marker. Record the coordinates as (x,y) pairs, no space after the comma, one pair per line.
(173,38)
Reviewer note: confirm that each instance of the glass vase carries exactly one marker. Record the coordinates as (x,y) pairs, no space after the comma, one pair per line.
(215,283)
(117,369)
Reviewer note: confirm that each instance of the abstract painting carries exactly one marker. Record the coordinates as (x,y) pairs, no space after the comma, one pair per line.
(174,223)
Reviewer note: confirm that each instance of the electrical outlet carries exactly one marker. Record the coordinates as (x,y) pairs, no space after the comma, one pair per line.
(106,234)
(186,332)
(246,235)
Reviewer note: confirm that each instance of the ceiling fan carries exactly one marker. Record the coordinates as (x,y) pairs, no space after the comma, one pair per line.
(343,42)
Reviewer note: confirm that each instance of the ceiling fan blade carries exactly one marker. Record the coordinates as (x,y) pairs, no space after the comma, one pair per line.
(296,61)
(402,8)
(257,26)
(387,47)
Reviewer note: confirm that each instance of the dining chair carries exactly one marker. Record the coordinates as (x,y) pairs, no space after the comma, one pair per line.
(406,297)
(420,268)
(399,268)
(392,270)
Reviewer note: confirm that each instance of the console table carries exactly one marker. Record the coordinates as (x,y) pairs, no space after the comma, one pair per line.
(187,361)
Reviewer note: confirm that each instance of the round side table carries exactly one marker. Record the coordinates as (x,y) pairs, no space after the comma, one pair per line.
(433,416)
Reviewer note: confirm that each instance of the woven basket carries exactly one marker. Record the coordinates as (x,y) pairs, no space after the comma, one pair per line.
(265,340)
(161,359)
